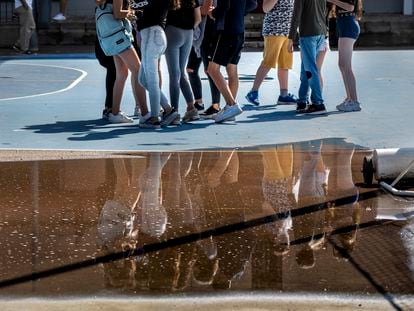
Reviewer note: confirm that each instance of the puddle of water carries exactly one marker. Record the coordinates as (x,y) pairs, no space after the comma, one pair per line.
(286,219)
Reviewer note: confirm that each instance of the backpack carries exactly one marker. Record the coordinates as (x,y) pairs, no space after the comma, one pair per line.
(114,35)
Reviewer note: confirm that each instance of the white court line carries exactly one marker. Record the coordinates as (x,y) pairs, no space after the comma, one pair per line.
(72,85)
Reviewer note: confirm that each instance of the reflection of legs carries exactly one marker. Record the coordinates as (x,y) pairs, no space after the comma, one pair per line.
(154,217)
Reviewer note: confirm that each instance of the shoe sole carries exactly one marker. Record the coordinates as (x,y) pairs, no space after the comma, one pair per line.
(149,126)
(286,103)
(191,119)
(313,113)
(345,110)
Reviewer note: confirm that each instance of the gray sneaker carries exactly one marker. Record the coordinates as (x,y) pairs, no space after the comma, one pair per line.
(191,115)
(349,106)
(168,118)
(148,122)
(228,113)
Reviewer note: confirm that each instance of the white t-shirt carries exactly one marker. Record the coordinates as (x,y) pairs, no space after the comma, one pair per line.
(18,3)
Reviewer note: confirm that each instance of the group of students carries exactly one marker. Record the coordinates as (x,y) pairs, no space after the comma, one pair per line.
(167,27)
(282,21)
(191,32)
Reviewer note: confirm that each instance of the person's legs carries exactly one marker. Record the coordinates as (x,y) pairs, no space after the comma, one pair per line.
(121,76)
(183,59)
(131,59)
(309,47)
(233,79)
(27,26)
(193,67)
(172,57)
(62,6)
(345,49)
(152,46)
(213,70)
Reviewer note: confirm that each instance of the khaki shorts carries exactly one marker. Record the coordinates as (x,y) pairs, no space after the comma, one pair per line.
(275,53)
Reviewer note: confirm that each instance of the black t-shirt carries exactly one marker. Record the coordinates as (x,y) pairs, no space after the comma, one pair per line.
(339,10)
(183,17)
(150,12)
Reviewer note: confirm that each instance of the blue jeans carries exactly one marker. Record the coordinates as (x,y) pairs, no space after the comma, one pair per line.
(309,75)
(153,45)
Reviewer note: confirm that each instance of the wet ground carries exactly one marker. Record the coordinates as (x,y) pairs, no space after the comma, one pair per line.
(290,226)
(269,212)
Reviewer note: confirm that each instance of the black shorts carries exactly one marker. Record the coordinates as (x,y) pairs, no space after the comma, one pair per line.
(225,49)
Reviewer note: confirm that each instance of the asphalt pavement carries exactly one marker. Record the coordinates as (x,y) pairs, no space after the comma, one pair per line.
(54,101)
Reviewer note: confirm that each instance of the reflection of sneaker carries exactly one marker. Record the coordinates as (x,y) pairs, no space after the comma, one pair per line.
(228,112)
(168,118)
(210,112)
(253,97)
(119,118)
(191,115)
(349,106)
(314,109)
(59,17)
(289,99)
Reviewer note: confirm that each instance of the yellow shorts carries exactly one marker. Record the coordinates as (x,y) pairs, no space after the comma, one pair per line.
(275,53)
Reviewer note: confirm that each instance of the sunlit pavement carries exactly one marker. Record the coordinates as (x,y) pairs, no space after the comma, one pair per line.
(269,212)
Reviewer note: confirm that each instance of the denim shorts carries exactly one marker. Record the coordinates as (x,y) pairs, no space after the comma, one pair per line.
(347,27)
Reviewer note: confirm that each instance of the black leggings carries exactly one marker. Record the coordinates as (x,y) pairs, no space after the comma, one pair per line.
(194,63)
(108,63)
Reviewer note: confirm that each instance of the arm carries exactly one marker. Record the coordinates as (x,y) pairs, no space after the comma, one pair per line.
(297,15)
(197,17)
(343,5)
(119,13)
(268,5)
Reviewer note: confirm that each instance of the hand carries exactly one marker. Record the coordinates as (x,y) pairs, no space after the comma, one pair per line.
(210,12)
(290,46)
(131,15)
(99,2)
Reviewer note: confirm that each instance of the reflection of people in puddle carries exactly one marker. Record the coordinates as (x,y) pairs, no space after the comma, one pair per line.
(342,187)
(277,192)
(223,201)
(309,190)
(115,221)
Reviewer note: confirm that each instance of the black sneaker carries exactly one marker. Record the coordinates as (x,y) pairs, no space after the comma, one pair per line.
(314,109)
(199,106)
(300,107)
(210,112)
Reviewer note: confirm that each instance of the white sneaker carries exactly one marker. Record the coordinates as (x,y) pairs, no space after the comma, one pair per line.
(349,106)
(119,118)
(59,17)
(228,113)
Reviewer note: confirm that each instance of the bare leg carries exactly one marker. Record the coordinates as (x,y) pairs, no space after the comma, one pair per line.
(261,73)
(62,6)
(345,48)
(131,60)
(319,62)
(283,77)
(213,70)
(121,75)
